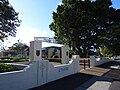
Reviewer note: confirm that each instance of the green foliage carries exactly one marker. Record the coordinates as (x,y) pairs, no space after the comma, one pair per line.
(8,20)
(71,52)
(98,52)
(3,58)
(19,47)
(13,59)
(54,59)
(6,68)
(82,24)
(106,52)
(114,41)
(19,60)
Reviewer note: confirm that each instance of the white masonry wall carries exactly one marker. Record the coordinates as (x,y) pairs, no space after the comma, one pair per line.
(34,47)
(65,54)
(19,80)
(39,72)
(63,70)
(96,61)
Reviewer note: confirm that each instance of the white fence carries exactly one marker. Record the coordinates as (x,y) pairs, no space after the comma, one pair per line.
(96,61)
(37,73)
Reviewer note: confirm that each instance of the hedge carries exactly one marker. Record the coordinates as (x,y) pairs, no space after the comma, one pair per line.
(54,59)
(11,60)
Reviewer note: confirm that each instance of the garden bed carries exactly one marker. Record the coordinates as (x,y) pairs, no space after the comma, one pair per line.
(4,67)
(7,68)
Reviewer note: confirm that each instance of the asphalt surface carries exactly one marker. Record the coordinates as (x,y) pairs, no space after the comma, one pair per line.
(67,83)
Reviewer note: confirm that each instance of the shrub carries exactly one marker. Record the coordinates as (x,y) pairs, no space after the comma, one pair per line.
(16,59)
(19,59)
(54,59)
(13,60)
(7,68)
(6,61)
(6,58)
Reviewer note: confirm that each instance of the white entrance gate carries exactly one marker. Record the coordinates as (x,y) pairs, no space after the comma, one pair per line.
(42,73)
(35,56)
(38,72)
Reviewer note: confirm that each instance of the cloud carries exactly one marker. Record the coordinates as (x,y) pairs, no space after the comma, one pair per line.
(26,35)
(60,3)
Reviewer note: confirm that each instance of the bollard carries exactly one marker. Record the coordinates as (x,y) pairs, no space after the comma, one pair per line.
(84,64)
(89,63)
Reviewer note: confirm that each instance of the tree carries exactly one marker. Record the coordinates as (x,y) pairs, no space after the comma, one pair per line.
(19,47)
(82,24)
(8,20)
(105,52)
(114,43)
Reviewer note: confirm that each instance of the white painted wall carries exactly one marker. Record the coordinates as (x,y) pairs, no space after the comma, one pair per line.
(96,61)
(65,57)
(50,52)
(37,45)
(19,80)
(34,46)
(63,70)
(37,73)
(58,53)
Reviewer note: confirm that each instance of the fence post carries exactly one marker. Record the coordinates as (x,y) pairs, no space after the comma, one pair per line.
(89,63)
(84,64)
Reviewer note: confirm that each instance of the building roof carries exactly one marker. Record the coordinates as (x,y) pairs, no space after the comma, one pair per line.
(48,44)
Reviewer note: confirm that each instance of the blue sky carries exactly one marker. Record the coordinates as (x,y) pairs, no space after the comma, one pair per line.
(116,4)
(36,15)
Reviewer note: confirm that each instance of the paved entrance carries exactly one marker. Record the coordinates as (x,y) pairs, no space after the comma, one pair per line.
(97,71)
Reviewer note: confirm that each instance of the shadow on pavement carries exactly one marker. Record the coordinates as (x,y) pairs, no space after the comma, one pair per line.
(67,83)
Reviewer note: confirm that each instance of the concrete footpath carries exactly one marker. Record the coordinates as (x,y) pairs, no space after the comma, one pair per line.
(96,83)
(100,83)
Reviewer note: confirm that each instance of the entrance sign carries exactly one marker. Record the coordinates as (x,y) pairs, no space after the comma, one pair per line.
(47,39)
